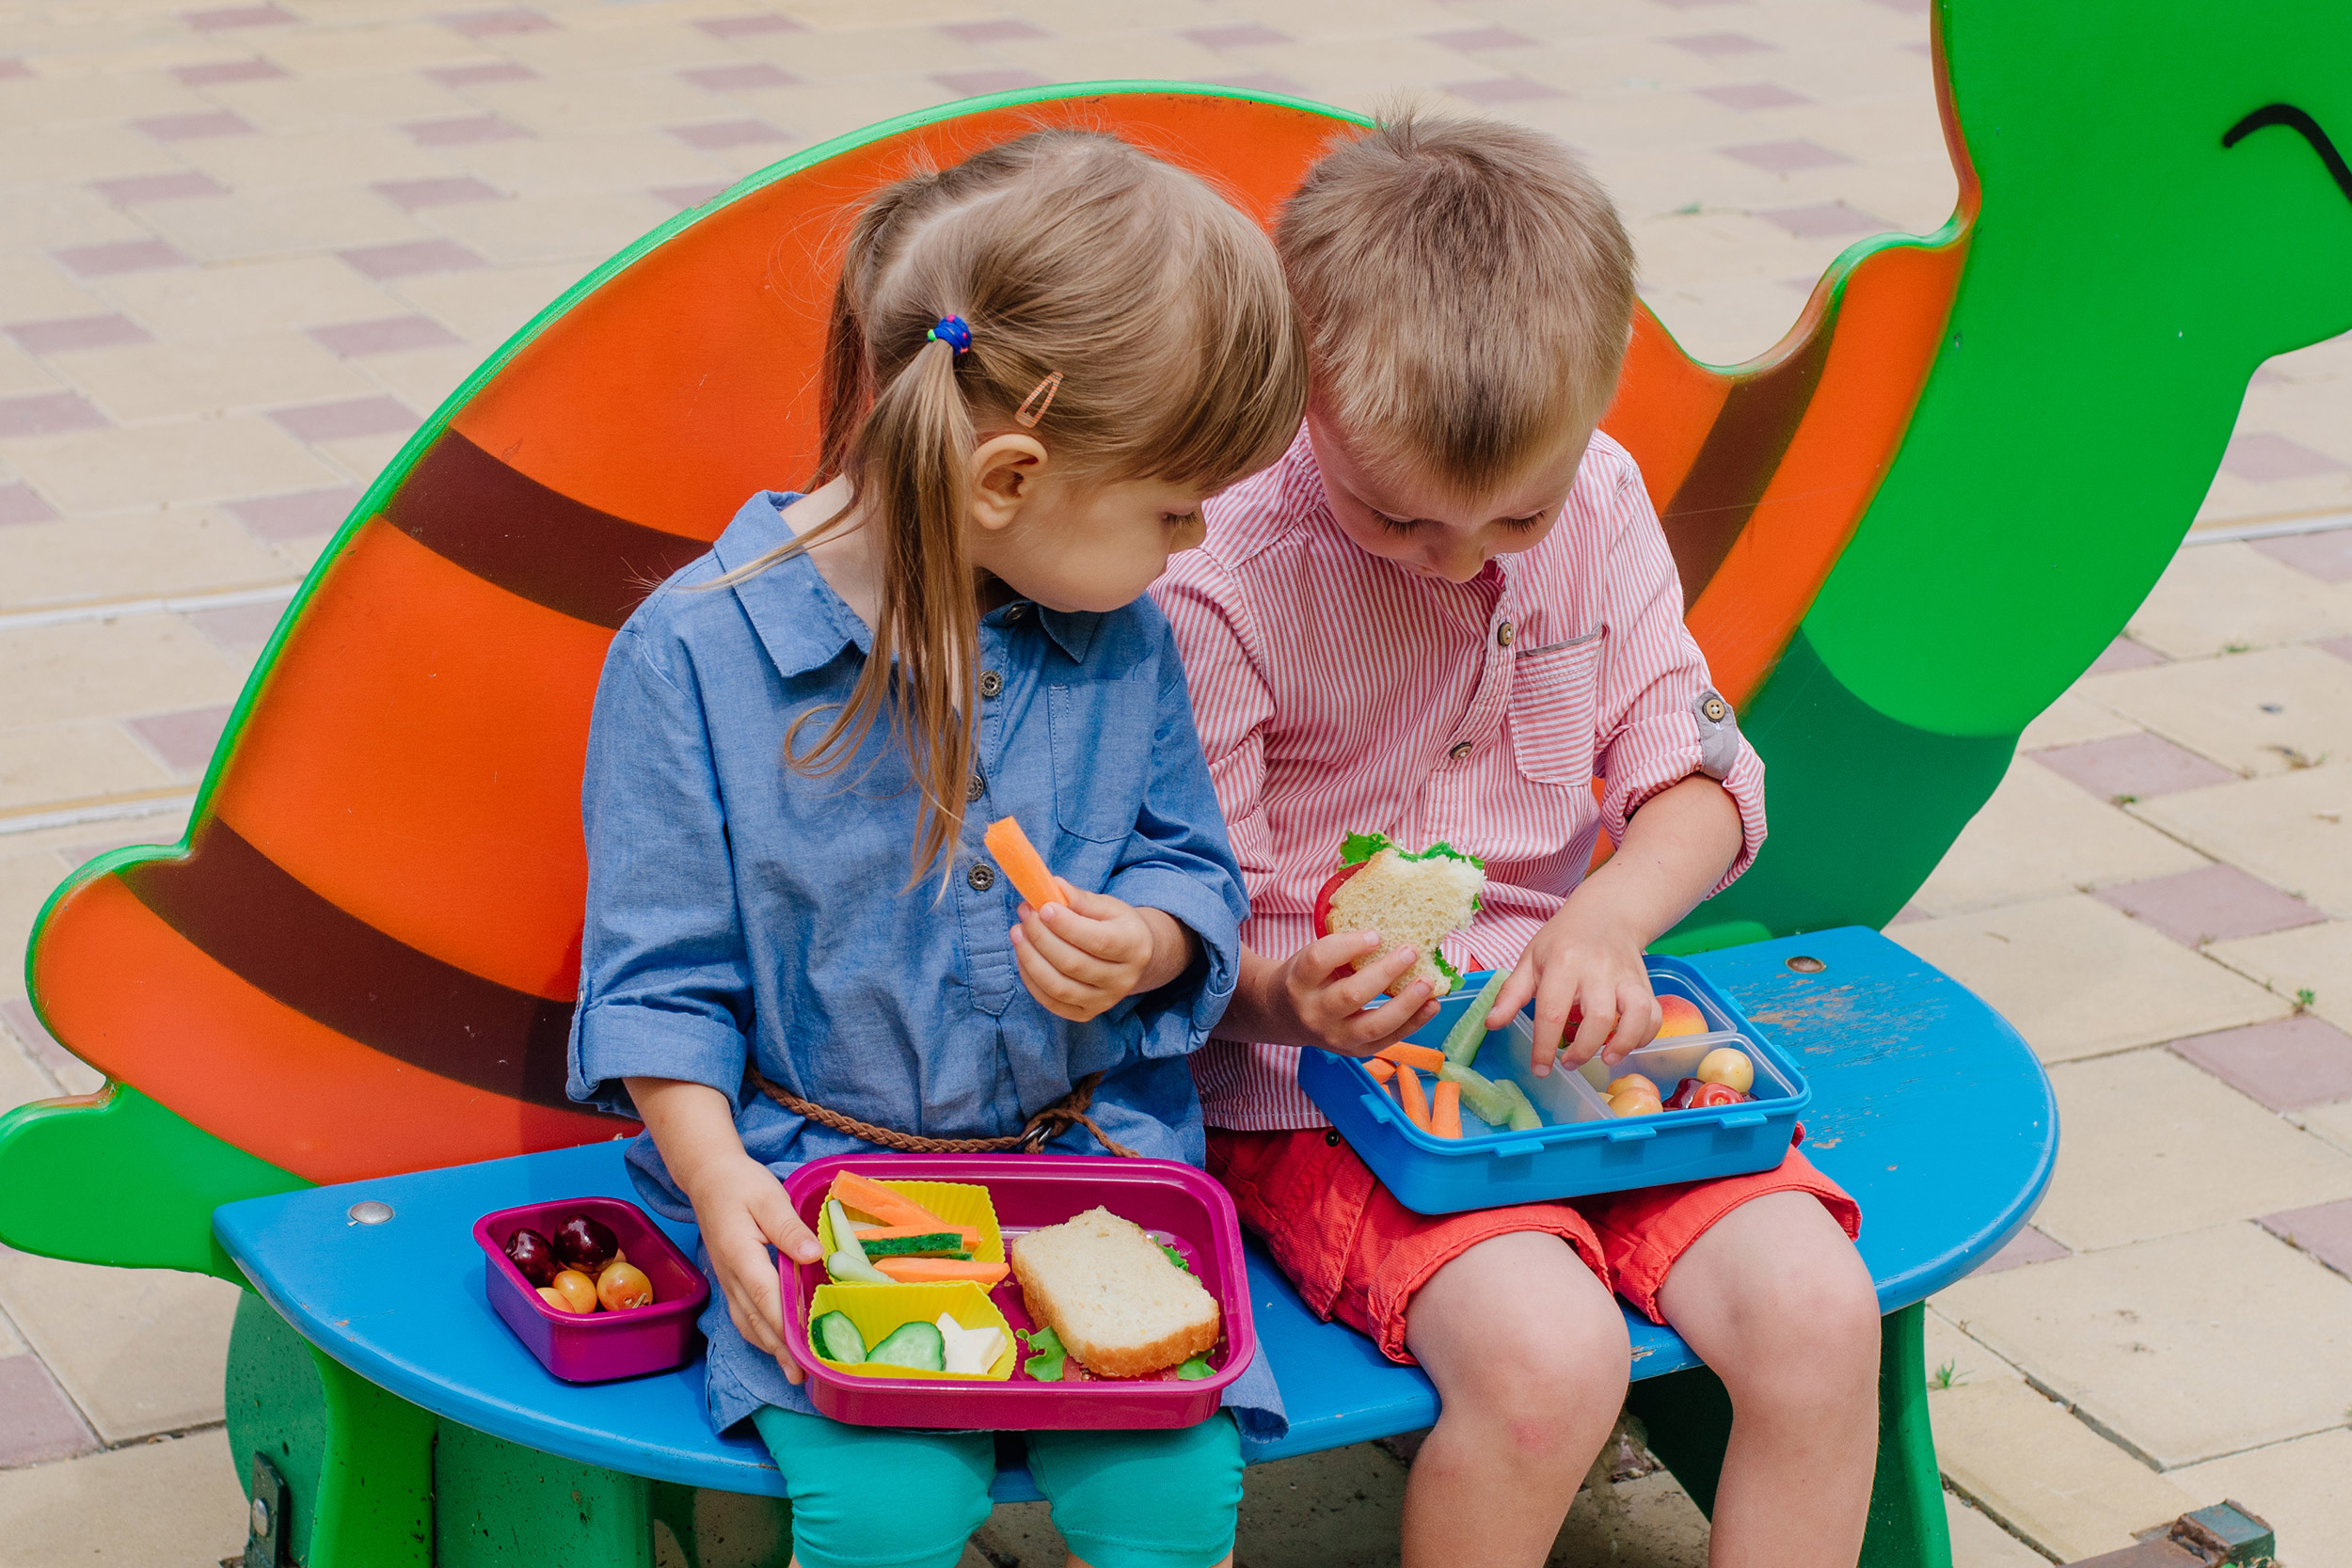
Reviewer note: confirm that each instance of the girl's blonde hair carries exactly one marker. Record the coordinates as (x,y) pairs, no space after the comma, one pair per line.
(1162,308)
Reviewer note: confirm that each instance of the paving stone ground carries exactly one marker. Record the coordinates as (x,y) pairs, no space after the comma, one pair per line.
(245,249)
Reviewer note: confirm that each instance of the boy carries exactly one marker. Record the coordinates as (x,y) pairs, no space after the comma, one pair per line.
(1444,613)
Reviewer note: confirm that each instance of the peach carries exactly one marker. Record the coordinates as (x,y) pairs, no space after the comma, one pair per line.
(1632,1104)
(1681,1016)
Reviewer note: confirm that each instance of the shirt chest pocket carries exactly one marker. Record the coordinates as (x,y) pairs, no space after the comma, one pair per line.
(1556,695)
(1102,735)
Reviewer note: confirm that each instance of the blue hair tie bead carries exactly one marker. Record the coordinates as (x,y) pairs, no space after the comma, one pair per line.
(953,331)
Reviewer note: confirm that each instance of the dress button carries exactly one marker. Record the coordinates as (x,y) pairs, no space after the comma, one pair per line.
(1462,750)
(990,683)
(983,876)
(975,787)
(1016,614)
(1502,635)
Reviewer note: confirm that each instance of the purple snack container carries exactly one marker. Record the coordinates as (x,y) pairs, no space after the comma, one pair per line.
(597,1347)
(1180,1206)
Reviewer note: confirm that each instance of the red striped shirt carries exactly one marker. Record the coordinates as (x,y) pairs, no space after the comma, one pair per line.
(1336,693)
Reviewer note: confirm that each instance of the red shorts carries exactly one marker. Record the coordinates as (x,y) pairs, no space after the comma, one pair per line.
(1358,1255)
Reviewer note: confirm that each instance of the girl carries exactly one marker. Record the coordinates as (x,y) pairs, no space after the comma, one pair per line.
(1040,362)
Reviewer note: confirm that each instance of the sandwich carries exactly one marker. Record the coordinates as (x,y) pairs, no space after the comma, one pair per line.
(1413,898)
(1115,1298)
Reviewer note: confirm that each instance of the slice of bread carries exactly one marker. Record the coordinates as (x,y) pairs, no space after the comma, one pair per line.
(1116,1300)
(1411,900)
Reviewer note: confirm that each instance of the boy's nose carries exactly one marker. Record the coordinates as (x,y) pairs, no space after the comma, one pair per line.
(1459,564)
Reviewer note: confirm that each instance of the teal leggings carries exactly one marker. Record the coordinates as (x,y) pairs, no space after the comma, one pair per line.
(881,1497)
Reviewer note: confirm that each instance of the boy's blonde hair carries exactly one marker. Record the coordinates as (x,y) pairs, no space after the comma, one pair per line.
(1468,292)
(1164,311)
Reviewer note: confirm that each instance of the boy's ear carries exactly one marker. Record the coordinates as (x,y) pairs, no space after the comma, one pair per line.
(1004,474)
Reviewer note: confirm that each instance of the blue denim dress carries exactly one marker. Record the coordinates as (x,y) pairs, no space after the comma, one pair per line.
(740,913)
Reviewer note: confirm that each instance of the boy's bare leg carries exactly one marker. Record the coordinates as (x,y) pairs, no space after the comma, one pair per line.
(1776,1299)
(1529,1355)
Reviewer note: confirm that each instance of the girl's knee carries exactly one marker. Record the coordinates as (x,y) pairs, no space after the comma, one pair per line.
(1143,1499)
(936,1491)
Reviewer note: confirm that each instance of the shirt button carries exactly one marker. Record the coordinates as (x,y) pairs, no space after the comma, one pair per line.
(983,876)
(1462,750)
(990,683)
(975,787)
(1715,708)
(1502,635)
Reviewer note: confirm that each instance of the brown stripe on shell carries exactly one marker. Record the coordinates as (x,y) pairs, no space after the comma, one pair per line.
(1742,451)
(504,526)
(254,918)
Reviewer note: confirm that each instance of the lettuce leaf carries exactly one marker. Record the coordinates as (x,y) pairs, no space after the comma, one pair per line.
(1356,849)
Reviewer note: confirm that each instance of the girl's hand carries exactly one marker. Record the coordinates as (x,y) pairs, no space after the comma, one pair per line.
(1584,972)
(1314,998)
(1082,958)
(741,1208)
(738,1201)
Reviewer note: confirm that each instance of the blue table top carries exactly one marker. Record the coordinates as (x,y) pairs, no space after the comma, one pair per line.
(1927,1107)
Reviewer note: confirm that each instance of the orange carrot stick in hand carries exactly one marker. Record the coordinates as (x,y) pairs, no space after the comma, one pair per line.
(1427,1058)
(1409,1095)
(1022,863)
(1445,1112)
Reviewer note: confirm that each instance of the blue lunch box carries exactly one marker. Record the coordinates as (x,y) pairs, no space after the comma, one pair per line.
(1582,1149)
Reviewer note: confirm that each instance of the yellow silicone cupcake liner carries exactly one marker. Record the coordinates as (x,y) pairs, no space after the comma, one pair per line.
(956,1203)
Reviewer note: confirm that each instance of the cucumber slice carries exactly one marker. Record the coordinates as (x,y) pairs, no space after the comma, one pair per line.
(948,1241)
(1470,1030)
(915,1345)
(836,1338)
(1481,1097)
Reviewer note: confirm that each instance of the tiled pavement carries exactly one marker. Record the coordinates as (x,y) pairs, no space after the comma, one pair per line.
(243,249)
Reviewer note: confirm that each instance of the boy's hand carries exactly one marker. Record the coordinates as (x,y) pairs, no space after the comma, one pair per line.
(1318,1001)
(741,1208)
(1585,973)
(1085,955)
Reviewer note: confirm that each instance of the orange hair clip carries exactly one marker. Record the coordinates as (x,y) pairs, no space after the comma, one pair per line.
(1042,395)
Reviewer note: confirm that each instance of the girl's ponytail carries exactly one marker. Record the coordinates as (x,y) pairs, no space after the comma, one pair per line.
(915,452)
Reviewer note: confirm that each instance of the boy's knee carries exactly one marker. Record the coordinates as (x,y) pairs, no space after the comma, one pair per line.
(1818,1336)
(1537,1378)
(1143,1499)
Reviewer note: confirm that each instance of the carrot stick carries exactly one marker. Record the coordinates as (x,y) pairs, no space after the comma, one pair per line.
(1445,1112)
(1384,1071)
(927,1270)
(1022,863)
(1408,1094)
(868,1197)
(1422,1056)
(971,1233)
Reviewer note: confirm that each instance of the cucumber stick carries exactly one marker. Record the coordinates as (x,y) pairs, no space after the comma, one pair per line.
(1481,1096)
(1469,1028)
(1523,1116)
(848,1263)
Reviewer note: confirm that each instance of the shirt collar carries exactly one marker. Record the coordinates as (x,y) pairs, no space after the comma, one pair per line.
(804,623)
(801,621)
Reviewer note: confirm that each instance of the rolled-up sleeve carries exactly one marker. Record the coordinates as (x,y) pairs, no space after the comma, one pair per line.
(1178,860)
(664,986)
(1661,718)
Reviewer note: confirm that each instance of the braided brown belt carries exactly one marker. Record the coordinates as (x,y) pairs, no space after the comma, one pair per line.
(1067,1112)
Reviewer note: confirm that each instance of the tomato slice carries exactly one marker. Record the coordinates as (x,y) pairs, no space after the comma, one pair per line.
(1322,897)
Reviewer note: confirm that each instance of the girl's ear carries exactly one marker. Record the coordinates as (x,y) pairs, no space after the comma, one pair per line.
(1004,474)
